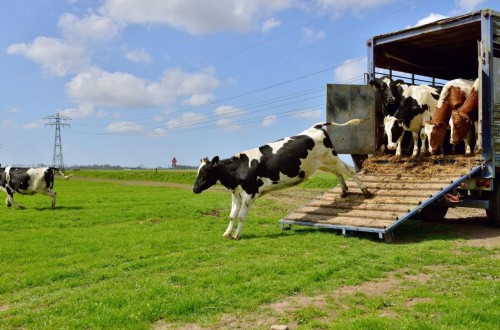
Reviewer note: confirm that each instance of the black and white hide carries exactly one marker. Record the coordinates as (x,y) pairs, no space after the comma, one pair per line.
(281,164)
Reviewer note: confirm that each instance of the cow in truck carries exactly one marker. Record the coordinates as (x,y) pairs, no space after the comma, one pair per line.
(463,119)
(417,105)
(453,95)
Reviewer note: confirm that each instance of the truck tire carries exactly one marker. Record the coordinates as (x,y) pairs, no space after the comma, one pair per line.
(433,213)
(493,212)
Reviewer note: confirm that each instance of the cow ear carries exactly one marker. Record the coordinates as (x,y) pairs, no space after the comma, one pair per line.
(215,161)
(374,83)
(398,82)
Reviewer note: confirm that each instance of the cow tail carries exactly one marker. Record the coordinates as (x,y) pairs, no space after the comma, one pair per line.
(60,172)
(348,123)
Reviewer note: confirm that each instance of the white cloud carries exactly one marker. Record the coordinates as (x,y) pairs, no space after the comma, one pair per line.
(309,114)
(269,25)
(55,56)
(194,16)
(340,7)
(128,127)
(351,70)
(89,28)
(200,99)
(124,127)
(229,111)
(83,111)
(186,83)
(35,124)
(468,5)
(310,35)
(139,56)
(226,115)
(429,19)
(188,119)
(228,125)
(269,120)
(120,89)
(8,123)
(117,89)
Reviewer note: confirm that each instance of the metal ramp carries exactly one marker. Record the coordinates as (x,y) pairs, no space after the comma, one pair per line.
(398,193)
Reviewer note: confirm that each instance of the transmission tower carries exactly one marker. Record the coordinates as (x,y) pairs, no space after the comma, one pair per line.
(58,121)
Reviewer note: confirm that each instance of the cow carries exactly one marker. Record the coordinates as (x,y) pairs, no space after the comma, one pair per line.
(418,104)
(389,93)
(284,163)
(463,119)
(28,181)
(390,96)
(451,98)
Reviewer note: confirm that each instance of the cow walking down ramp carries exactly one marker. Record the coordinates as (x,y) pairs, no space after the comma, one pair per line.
(28,181)
(401,191)
(284,163)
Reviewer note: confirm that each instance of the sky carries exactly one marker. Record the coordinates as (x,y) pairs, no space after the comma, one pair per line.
(139,82)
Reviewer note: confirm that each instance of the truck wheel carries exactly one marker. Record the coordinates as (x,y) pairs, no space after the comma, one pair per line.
(433,213)
(493,212)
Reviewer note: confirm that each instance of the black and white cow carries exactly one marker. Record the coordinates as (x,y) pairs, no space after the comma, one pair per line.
(284,163)
(28,181)
(390,94)
(417,105)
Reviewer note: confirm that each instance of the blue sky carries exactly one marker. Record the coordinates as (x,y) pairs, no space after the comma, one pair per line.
(144,81)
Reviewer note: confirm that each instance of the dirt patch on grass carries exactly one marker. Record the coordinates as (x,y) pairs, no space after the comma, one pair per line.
(283,312)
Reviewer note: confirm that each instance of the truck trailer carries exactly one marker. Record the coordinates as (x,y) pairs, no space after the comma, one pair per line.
(467,47)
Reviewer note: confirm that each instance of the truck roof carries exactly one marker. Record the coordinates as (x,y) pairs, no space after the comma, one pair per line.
(444,49)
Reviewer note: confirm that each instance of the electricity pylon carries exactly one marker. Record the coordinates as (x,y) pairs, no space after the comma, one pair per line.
(58,121)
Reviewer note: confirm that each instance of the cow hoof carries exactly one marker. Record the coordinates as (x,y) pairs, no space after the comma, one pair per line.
(9,205)
(236,237)
(227,235)
(343,194)
(367,194)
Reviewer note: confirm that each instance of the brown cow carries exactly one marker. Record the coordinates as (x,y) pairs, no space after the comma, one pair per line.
(461,121)
(452,96)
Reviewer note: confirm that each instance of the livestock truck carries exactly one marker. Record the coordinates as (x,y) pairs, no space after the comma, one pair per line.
(466,46)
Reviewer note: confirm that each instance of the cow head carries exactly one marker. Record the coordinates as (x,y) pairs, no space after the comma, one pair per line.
(388,91)
(394,131)
(460,125)
(208,175)
(435,135)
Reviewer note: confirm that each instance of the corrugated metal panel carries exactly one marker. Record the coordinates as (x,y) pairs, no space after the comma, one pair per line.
(345,102)
(496,29)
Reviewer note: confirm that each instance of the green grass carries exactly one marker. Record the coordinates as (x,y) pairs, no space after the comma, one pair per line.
(124,256)
(175,176)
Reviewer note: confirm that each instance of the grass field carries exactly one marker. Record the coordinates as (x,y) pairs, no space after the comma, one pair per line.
(138,256)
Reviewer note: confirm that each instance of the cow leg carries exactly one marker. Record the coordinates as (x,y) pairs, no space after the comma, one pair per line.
(415,136)
(423,139)
(479,140)
(245,207)
(235,210)
(467,141)
(10,201)
(342,168)
(343,186)
(52,194)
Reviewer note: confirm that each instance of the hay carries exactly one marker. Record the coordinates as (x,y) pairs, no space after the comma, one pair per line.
(425,166)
